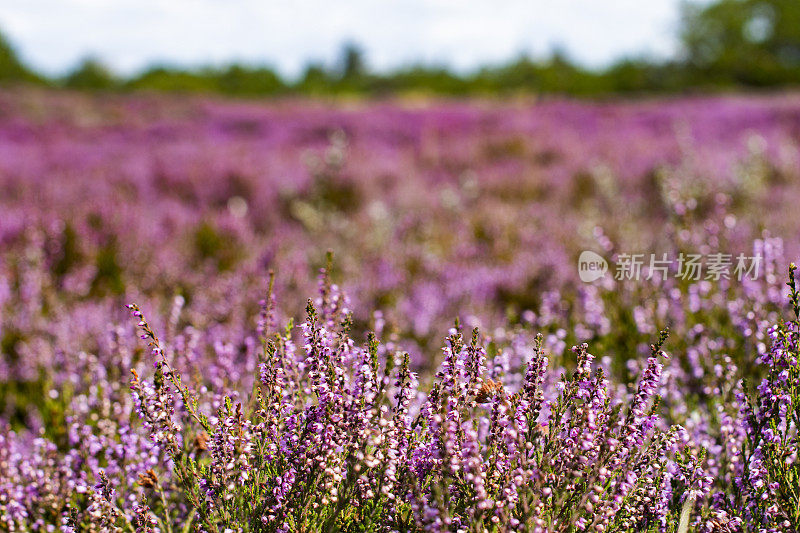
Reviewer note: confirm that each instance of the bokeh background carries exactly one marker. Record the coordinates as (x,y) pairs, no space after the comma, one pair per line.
(456,157)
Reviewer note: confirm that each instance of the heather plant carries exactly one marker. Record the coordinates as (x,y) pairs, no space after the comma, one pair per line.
(227,416)
(341,436)
(337,436)
(769,482)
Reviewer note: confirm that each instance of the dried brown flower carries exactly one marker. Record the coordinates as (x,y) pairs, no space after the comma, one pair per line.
(489,390)
(201,441)
(148,479)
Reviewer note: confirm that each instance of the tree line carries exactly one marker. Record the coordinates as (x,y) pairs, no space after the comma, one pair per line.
(728,44)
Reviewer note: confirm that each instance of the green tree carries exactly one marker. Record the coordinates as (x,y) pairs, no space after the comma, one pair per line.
(169,79)
(244,81)
(352,62)
(91,74)
(315,80)
(12,70)
(748,42)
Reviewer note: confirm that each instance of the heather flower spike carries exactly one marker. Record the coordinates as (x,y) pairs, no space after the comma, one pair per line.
(267,391)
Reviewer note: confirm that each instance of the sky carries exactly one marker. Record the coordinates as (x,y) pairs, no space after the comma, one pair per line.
(129,35)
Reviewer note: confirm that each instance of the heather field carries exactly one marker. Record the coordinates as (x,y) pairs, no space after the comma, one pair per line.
(299,316)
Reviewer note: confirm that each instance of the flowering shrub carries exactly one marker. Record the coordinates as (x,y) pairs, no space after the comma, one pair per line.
(337,436)
(769,469)
(225,416)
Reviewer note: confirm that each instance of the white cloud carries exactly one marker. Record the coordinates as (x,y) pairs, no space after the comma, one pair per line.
(130,34)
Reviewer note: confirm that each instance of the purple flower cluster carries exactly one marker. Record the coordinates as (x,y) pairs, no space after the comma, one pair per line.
(220,414)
